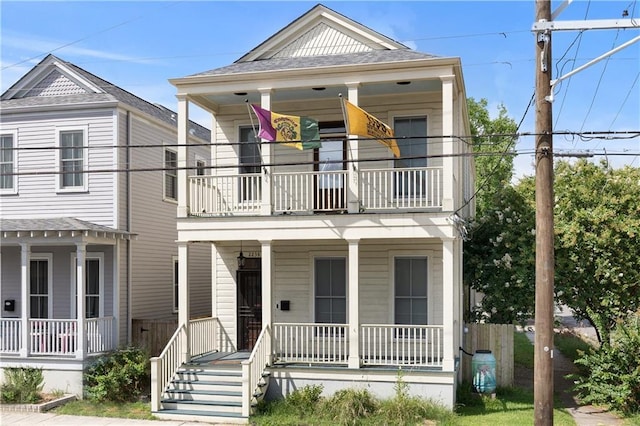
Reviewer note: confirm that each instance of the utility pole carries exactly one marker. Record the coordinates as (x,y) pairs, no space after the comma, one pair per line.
(543,347)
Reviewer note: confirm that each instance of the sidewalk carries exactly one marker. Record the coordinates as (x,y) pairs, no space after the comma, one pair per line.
(15,418)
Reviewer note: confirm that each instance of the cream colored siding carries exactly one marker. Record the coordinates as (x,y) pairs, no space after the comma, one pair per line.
(37,197)
(225,289)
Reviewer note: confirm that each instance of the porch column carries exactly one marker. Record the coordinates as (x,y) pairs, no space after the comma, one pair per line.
(266,150)
(267,302)
(25,279)
(81,336)
(183,296)
(447,142)
(353,186)
(183,156)
(448,303)
(354,304)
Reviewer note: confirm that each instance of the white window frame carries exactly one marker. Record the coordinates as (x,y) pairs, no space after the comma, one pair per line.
(201,166)
(85,143)
(327,255)
(74,287)
(49,258)
(166,173)
(429,255)
(175,288)
(14,165)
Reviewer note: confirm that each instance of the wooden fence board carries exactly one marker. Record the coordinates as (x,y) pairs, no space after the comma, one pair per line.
(498,338)
(152,335)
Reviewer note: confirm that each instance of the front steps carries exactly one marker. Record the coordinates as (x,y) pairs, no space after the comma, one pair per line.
(207,392)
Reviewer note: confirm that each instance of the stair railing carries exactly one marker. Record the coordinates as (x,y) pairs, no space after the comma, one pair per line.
(253,368)
(164,366)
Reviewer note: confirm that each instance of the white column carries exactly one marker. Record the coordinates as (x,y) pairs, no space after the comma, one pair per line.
(183,296)
(352,186)
(447,143)
(116,292)
(214,279)
(81,338)
(266,149)
(448,303)
(183,156)
(267,302)
(354,304)
(25,259)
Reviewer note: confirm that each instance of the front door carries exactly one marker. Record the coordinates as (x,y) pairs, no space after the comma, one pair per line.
(249,308)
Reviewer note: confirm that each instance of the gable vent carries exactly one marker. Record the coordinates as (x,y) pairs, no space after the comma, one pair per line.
(322,40)
(55,84)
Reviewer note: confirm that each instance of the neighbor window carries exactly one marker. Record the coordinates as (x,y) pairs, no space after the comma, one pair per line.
(7,163)
(201,168)
(39,284)
(93,285)
(72,159)
(330,290)
(410,279)
(170,175)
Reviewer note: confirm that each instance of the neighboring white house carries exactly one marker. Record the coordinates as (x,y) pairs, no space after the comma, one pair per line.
(88,241)
(337,266)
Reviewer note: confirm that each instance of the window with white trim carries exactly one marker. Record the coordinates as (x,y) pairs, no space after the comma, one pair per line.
(411,137)
(8,162)
(410,281)
(201,168)
(250,161)
(93,285)
(170,175)
(330,285)
(40,285)
(72,159)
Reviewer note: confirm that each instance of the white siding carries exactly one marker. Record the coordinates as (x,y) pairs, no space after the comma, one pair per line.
(37,197)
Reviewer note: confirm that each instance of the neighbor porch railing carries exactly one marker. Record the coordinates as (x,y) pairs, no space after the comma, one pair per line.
(416,345)
(10,335)
(100,334)
(321,191)
(253,368)
(311,343)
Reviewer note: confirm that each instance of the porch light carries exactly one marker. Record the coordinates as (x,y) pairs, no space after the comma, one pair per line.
(241,258)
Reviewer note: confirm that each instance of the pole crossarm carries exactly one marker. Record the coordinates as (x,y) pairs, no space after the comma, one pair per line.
(594,24)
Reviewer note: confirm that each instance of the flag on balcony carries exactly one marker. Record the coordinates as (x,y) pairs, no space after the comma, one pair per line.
(291,130)
(361,123)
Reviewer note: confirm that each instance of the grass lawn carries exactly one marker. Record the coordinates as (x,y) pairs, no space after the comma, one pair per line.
(128,410)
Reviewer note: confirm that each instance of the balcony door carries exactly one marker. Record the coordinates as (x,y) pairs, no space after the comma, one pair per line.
(410,176)
(329,161)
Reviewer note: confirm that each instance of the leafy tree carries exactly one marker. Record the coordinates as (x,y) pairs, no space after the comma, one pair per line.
(597,225)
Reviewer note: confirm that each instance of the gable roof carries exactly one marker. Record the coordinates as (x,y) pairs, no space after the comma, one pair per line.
(54,81)
(320,38)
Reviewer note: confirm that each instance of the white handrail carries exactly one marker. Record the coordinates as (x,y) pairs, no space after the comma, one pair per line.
(416,187)
(398,344)
(253,368)
(311,343)
(10,335)
(164,366)
(203,335)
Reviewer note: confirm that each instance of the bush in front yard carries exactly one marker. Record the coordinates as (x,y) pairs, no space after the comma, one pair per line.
(22,385)
(121,376)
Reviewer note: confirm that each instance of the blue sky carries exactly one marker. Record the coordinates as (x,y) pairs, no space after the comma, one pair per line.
(140,45)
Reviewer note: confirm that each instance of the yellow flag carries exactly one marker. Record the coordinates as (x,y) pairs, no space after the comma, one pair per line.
(361,123)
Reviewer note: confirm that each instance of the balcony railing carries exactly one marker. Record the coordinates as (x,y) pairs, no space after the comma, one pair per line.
(313,192)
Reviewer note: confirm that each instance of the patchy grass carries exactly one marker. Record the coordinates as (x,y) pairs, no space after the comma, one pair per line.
(130,410)
(522,350)
(571,344)
(511,406)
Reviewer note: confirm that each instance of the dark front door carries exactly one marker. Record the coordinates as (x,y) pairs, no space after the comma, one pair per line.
(249,308)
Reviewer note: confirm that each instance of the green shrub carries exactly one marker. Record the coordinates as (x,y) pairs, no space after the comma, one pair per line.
(349,406)
(22,385)
(121,376)
(613,371)
(305,400)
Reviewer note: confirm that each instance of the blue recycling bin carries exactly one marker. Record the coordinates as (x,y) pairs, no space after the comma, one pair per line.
(483,366)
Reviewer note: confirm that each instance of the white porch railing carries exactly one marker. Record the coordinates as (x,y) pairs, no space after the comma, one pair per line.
(10,332)
(100,335)
(306,192)
(219,195)
(416,345)
(164,366)
(311,343)
(204,335)
(253,368)
(384,189)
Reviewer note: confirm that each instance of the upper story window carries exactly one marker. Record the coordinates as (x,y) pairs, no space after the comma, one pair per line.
(411,133)
(8,162)
(170,175)
(201,167)
(250,158)
(72,159)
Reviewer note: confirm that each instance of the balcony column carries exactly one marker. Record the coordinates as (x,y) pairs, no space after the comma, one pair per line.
(354,304)
(183,296)
(267,290)
(448,303)
(183,156)
(25,279)
(447,143)
(353,186)
(266,150)
(81,309)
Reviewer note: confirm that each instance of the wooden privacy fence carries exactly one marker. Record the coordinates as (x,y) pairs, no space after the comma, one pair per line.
(152,335)
(498,338)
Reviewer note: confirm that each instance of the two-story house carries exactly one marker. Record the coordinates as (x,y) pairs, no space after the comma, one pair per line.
(339,265)
(88,197)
